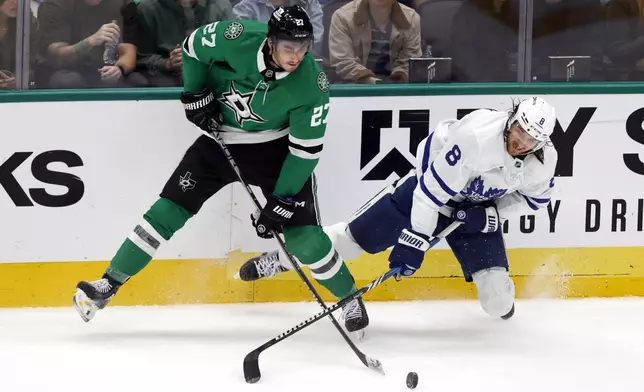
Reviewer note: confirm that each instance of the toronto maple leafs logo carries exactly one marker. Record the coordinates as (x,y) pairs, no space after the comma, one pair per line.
(240,104)
(476,191)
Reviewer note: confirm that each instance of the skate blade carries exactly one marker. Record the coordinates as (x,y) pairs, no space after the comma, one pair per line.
(84,306)
(359,335)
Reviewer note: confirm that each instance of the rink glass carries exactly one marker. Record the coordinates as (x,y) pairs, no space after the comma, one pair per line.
(488,41)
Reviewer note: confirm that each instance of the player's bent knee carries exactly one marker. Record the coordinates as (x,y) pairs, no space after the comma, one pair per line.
(306,242)
(495,290)
(342,241)
(166,217)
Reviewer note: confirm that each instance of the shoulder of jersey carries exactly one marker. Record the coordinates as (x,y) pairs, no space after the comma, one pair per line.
(242,29)
(473,122)
(550,157)
(311,75)
(485,115)
(481,127)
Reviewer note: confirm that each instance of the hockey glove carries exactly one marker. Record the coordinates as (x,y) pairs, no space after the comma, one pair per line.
(476,218)
(273,216)
(408,253)
(202,109)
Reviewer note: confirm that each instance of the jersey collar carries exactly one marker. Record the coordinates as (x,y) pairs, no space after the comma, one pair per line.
(261,65)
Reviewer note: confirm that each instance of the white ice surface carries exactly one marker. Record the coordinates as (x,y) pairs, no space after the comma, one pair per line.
(550,345)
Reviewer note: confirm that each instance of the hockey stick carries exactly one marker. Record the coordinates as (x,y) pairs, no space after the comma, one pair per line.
(251,361)
(371,363)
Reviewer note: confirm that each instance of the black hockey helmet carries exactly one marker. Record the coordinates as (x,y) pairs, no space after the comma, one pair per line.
(290,23)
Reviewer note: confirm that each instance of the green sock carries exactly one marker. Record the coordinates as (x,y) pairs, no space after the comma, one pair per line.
(159,224)
(314,248)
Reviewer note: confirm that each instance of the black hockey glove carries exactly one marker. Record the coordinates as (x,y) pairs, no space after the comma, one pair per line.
(202,109)
(476,218)
(273,216)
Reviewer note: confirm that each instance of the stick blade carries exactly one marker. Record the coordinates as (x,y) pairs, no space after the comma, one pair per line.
(373,364)
(251,367)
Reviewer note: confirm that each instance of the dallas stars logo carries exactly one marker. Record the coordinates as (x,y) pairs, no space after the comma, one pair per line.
(185,182)
(234,30)
(240,104)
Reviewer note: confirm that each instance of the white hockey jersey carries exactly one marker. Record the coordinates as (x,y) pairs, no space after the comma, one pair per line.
(468,159)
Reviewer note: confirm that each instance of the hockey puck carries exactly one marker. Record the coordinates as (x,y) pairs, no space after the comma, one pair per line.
(412,380)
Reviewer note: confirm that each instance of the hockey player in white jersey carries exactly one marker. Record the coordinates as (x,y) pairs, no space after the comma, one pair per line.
(480,170)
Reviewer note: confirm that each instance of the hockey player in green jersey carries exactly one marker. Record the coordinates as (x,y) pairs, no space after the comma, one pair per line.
(269,100)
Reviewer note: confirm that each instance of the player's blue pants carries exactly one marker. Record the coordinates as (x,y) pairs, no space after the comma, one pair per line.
(377,225)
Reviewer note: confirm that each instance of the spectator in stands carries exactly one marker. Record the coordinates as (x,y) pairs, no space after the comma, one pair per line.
(76,36)
(371,41)
(163,25)
(8,13)
(484,42)
(262,9)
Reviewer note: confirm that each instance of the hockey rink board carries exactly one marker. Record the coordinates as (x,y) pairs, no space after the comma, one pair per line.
(77,176)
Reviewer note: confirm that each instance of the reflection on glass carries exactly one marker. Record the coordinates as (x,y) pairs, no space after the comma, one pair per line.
(164,25)
(429,41)
(623,40)
(371,41)
(116,43)
(8,13)
(484,41)
(568,40)
(87,43)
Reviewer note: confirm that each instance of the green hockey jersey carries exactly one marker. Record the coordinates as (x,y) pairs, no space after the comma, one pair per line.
(258,104)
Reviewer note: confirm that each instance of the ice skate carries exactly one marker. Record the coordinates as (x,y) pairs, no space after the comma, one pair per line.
(355,317)
(92,296)
(266,265)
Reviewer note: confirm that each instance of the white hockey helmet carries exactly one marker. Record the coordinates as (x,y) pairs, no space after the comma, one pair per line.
(537,118)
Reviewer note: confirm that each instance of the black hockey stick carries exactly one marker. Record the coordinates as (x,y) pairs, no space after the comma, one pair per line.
(251,361)
(371,363)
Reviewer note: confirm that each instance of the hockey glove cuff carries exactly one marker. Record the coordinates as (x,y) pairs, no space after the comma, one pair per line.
(477,218)
(275,214)
(202,109)
(408,253)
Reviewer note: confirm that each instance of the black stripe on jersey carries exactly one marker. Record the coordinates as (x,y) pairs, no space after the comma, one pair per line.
(311,150)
